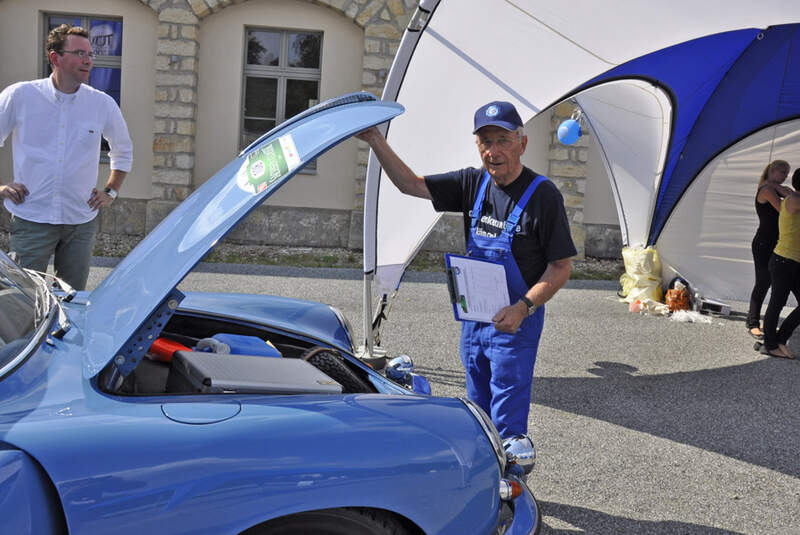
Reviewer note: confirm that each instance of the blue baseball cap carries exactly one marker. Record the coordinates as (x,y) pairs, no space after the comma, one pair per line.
(497,113)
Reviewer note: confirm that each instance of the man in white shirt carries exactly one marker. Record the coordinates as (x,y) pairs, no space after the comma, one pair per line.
(56,124)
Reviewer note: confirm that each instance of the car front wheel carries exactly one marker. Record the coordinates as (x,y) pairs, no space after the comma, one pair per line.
(334,522)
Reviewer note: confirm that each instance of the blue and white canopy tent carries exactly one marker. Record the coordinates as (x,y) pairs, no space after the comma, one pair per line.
(687,102)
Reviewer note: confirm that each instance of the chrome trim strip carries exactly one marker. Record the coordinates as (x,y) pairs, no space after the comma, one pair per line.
(41,334)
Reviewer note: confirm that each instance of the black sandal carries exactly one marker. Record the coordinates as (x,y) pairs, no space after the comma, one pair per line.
(759,336)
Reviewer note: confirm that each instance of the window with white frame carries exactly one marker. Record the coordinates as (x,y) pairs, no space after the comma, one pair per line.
(281,78)
(105,35)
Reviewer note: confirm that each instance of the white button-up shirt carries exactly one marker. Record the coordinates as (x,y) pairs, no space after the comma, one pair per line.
(56,147)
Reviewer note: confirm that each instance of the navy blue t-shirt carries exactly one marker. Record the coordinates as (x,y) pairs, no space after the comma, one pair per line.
(543,231)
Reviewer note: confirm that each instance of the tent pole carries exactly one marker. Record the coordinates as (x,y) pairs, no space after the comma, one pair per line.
(366,316)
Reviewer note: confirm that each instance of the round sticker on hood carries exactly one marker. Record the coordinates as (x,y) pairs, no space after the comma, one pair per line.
(265,166)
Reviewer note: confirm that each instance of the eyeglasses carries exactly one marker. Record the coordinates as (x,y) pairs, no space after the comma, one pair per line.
(502,143)
(80,53)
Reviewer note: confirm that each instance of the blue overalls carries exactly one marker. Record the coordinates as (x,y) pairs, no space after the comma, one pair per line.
(499,366)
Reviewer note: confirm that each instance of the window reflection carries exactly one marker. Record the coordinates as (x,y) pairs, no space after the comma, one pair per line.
(106,37)
(300,95)
(263,47)
(304,50)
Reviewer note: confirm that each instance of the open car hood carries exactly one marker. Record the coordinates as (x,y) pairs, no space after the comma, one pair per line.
(131,306)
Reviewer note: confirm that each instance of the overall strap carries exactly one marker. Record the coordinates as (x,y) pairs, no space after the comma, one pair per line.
(513,219)
(476,208)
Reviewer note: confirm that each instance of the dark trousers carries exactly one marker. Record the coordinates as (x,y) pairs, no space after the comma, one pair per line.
(785,278)
(762,252)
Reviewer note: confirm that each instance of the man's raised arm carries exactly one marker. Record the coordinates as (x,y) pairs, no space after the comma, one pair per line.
(398,172)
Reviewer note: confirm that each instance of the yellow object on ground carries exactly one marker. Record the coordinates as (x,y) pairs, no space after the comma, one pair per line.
(642,278)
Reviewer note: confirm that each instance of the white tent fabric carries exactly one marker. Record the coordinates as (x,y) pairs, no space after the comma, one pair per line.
(707,238)
(633,139)
(548,49)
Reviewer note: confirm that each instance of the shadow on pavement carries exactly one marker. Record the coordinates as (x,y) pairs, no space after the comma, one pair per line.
(749,412)
(582,520)
(443,376)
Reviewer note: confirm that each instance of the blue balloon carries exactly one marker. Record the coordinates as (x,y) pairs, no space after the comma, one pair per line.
(569,131)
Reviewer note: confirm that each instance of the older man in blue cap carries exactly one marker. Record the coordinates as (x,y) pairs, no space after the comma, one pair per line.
(513,216)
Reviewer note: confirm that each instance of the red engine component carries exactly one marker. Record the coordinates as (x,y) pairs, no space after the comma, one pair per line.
(164,348)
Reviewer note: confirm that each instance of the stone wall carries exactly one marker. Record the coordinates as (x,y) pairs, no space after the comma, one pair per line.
(567,170)
(603,241)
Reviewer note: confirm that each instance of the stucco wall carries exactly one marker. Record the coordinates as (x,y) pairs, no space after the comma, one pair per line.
(219,104)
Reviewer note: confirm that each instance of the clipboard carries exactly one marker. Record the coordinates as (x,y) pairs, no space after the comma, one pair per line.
(478,287)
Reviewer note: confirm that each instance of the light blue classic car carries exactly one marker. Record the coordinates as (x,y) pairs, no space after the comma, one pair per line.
(137,409)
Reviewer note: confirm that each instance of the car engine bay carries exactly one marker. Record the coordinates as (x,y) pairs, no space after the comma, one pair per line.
(191,356)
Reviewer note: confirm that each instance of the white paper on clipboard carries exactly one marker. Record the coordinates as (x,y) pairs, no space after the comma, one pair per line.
(478,288)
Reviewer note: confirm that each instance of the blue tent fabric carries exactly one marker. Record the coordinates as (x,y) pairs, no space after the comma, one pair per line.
(723,87)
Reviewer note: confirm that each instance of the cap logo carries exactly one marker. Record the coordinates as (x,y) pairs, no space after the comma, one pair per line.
(491,111)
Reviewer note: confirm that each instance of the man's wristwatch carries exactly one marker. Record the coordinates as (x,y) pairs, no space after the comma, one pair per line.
(111,192)
(531,306)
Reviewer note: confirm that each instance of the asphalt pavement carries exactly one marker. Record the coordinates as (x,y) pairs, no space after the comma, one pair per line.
(641,424)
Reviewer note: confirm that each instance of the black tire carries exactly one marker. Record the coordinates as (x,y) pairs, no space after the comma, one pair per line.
(330,362)
(333,522)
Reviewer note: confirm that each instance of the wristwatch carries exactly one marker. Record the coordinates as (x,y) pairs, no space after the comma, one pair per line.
(531,306)
(111,192)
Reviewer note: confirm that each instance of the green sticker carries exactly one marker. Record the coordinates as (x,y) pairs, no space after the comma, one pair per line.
(267,165)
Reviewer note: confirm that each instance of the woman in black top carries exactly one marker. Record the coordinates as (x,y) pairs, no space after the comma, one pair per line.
(768,204)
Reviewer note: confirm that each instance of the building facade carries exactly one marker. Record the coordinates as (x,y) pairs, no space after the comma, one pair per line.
(197,80)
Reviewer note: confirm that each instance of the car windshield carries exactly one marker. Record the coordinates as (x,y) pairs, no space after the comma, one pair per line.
(23,306)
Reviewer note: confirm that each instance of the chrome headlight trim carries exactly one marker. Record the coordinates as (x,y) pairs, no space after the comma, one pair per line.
(490,430)
(520,450)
